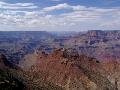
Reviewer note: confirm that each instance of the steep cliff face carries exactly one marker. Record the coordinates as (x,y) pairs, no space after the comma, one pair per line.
(2,58)
(71,71)
(7,81)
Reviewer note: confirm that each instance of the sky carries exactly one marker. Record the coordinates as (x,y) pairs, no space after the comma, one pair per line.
(59,15)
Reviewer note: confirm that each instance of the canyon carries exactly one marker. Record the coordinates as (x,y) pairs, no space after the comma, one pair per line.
(48,61)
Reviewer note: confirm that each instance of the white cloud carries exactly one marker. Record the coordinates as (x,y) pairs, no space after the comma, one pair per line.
(4,5)
(57,7)
(65,6)
(80,17)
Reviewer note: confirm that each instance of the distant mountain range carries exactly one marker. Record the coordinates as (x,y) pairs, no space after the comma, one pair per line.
(103,45)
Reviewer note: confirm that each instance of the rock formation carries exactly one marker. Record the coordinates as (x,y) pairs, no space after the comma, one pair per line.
(71,71)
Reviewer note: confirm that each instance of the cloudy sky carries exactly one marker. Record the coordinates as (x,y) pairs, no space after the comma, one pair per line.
(59,15)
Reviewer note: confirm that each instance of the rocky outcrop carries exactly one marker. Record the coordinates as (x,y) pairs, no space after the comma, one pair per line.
(71,71)
(17,79)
